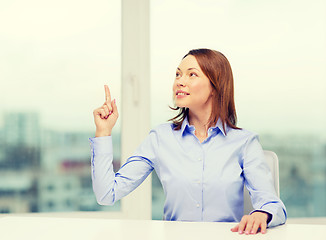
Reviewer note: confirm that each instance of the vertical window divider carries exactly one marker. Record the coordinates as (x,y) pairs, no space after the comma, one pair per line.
(135,102)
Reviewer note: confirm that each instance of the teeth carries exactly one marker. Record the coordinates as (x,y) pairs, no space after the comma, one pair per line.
(181,93)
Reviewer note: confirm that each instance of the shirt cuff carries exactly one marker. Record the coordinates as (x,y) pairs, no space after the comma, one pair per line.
(101,145)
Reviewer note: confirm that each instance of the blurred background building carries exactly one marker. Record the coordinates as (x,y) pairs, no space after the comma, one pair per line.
(44,170)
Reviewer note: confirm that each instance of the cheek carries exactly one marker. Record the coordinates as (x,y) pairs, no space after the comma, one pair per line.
(204,91)
(198,88)
(174,89)
(174,86)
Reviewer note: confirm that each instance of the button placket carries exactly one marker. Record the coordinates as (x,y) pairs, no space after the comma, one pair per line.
(199,184)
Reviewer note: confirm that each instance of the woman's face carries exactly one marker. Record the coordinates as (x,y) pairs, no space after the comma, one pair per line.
(191,88)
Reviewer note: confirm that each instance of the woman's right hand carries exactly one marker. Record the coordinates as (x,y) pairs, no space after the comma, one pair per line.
(105,116)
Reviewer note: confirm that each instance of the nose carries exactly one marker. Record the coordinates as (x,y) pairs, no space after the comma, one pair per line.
(181,82)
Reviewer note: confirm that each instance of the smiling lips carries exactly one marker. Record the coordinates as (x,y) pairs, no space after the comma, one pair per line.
(181,94)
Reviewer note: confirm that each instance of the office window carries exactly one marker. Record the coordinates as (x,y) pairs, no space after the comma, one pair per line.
(55,58)
(277,52)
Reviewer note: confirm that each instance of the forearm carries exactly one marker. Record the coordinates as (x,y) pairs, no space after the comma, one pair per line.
(108,186)
(259,181)
(102,170)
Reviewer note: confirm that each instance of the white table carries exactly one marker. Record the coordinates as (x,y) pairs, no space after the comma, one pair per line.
(34,228)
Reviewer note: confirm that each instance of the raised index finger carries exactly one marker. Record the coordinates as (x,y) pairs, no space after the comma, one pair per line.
(107,94)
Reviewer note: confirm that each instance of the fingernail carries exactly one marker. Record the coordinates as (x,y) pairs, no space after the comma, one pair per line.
(247,232)
(240,232)
(110,112)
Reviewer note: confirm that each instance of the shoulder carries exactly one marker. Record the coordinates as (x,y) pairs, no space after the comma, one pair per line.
(161,133)
(249,145)
(242,134)
(163,128)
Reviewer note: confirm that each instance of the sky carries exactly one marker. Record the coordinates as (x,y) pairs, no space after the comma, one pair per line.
(55,57)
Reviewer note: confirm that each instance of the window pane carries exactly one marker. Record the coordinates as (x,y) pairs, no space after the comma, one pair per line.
(55,58)
(278,59)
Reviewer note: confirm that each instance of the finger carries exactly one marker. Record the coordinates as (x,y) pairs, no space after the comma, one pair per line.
(102,114)
(106,109)
(263,227)
(235,229)
(109,106)
(97,112)
(242,225)
(107,94)
(249,226)
(254,228)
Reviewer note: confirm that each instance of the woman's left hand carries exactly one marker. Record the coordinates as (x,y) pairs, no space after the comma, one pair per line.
(251,223)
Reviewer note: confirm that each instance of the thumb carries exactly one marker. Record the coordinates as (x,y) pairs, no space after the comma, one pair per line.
(114,106)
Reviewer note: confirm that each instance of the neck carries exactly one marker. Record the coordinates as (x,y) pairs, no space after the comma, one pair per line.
(200,121)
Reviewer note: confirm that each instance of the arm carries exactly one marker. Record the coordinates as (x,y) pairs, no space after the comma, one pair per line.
(107,185)
(269,209)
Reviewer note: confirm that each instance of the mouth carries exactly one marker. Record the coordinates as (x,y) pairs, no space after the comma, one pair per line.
(181,93)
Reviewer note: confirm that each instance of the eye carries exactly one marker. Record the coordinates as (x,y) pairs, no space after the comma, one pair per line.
(177,75)
(193,74)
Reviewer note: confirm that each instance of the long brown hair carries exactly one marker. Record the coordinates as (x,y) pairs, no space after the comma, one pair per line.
(218,70)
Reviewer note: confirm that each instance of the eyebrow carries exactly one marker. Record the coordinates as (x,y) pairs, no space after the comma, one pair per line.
(189,69)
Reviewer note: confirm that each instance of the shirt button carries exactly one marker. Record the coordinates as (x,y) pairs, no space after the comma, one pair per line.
(197,205)
(199,159)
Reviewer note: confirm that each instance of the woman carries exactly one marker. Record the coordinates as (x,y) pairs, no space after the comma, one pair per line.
(202,158)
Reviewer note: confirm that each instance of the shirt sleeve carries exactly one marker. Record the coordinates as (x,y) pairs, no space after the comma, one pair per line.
(260,184)
(110,187)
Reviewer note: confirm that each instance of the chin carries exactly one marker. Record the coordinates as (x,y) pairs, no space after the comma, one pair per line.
(180,105)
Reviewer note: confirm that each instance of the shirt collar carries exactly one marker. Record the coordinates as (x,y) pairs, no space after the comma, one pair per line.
(219,127)
(187,128)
